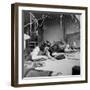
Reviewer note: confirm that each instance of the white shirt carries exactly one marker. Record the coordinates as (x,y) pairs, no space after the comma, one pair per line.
(35,53)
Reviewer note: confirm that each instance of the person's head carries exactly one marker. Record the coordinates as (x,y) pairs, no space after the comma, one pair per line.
(42,46)
(48,44)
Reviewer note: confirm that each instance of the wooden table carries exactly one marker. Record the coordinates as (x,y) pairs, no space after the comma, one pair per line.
(64,66)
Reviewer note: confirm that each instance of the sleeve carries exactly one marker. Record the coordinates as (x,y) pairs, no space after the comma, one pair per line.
(35,51)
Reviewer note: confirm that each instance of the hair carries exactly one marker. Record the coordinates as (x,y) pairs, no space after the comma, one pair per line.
(42,46)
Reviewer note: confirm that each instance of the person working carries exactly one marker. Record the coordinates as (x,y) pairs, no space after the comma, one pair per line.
(41,52)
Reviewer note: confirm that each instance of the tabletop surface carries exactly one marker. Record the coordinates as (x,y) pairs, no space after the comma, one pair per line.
(64,66)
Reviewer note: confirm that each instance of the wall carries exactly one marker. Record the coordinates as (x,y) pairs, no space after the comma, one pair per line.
(5,45)
(53,31)
(72,30)
(71,26)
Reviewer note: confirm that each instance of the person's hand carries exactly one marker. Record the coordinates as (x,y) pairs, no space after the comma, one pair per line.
(44,57)
(51,58)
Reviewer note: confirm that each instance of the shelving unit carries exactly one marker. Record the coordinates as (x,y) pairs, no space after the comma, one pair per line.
(32,32)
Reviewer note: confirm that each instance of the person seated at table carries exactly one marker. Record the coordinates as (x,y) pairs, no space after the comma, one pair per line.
(74,46)
(67,48)
(57,50)
(70,48)
(41,52)
(58,46)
